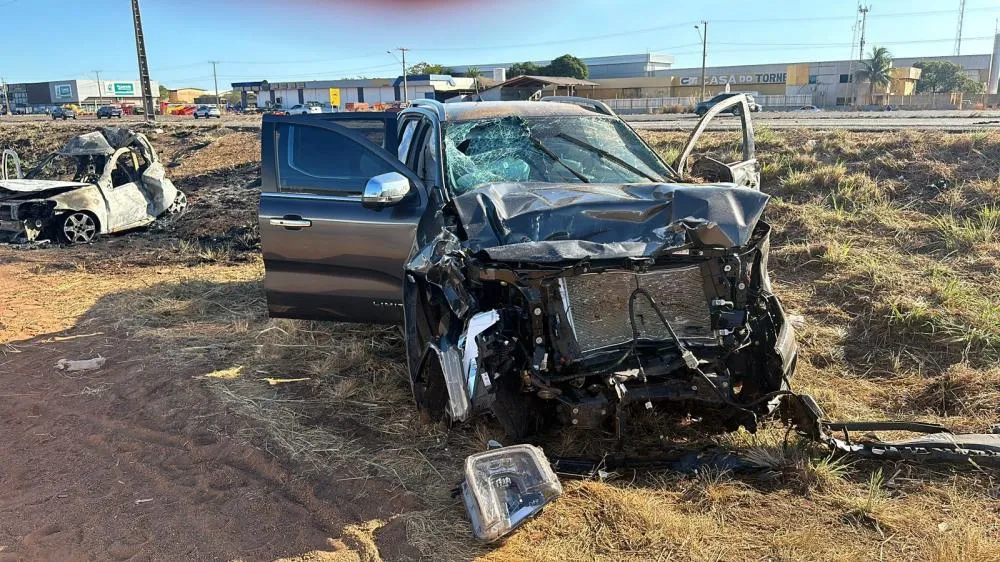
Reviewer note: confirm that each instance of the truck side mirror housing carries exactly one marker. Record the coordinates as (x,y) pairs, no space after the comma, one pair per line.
(384,190)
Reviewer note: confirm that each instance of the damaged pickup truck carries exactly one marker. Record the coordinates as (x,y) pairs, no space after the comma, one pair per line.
(547,265)
(101,182)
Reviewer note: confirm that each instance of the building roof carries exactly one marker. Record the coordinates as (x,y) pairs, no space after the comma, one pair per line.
(549,80)
(469,110)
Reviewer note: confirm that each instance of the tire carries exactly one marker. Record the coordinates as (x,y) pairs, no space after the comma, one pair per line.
(78,227)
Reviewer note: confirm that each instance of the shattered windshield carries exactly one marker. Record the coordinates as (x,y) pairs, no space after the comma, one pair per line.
(584,149)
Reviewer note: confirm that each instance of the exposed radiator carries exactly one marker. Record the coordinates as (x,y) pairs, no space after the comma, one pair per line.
(598,307)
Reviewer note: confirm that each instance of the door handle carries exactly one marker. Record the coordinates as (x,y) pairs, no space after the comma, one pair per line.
(291,222)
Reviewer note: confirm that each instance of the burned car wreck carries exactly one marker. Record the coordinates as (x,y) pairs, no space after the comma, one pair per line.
(98,183)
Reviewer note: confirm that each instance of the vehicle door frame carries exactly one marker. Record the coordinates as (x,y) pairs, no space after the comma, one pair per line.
(388,152)
(10,157)
(113,195)
(746,124)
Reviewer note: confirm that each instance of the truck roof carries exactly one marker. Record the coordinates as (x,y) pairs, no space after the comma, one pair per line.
(474,110)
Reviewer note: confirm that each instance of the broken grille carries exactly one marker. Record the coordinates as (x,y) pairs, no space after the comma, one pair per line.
(598,307)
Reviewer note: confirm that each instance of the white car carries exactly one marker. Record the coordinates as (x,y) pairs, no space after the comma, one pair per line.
(208,111)
(305,109)
(118,184)
(807,109)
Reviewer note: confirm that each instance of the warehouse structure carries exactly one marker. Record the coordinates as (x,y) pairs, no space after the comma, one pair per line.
(36,97)
(340,93)
(617,66)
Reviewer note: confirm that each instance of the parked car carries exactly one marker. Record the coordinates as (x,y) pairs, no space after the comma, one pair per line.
(546,264)
(305,109)
(119,184)
(704,106)
(276,110)
(807,109)
(109,111)
(207,111)
(63,113)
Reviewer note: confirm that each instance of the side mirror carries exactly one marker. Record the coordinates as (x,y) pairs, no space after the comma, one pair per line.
(385,189)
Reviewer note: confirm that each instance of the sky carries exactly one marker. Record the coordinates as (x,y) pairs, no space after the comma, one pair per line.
(285,40)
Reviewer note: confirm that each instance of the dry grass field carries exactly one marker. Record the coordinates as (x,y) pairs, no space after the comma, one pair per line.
(887,244)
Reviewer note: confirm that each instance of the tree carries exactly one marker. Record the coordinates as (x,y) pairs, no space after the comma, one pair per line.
(427,68)
(523,68)
(164,93)
(942,76)
(475,74)
(876,70)
(566,65)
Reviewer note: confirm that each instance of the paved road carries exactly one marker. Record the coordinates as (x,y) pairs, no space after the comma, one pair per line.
(856,121)
(850,120)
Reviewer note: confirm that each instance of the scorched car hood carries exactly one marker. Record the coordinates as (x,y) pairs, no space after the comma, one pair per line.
(544,222)
(15,189)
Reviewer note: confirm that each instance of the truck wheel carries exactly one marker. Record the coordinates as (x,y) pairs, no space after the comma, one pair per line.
(79,227)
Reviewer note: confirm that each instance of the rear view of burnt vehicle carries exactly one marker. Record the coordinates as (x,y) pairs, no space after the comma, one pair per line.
(547,265)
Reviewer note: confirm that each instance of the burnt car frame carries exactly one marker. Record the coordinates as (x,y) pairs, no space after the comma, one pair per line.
(112,181)
(546,264)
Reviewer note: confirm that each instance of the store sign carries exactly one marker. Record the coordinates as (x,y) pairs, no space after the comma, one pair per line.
(123,89)
(720,79)
(64,91)
(335,97)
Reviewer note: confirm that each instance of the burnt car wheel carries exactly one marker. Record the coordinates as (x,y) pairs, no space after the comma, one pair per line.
(79,228)
(179,205)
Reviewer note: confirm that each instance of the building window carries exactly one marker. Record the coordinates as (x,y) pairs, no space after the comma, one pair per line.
(813,79)
(845,78)
(361,95)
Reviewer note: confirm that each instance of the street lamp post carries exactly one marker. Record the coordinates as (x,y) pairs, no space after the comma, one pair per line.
(402,50)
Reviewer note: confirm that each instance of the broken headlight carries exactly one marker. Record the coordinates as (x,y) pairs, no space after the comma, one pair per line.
(505,487)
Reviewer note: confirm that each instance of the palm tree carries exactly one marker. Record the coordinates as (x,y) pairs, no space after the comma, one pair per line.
(475,74)
(876,70)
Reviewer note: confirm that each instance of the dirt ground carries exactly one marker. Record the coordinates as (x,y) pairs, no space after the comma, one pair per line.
(214,433)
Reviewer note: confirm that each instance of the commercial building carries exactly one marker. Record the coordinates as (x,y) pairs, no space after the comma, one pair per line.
(85,93)
(618,66)
(340,93)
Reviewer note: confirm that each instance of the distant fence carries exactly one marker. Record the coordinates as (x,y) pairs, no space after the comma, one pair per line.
(631,106)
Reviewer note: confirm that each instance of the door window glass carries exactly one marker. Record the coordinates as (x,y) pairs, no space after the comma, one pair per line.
(321,161)
(405,139)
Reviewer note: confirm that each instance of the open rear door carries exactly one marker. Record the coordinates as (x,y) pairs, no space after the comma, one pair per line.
(743,170)
(10,165)
(331,250)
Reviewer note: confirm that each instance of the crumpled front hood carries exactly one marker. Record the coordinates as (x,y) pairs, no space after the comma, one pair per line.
(19,189)
(552,222)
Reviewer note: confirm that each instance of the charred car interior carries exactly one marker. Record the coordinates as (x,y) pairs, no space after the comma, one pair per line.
(98,183)
(548,267)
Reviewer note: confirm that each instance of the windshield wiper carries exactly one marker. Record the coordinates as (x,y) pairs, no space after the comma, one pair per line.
(608,155)
(545,150)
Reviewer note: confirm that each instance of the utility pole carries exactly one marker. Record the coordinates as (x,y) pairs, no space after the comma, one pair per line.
(406,97)
(215,77)
(958,33)
(140,50)
(704,54)
(863,10)
(100,88)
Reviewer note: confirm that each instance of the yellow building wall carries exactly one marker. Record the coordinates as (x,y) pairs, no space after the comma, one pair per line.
(798,75)
(184,95)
